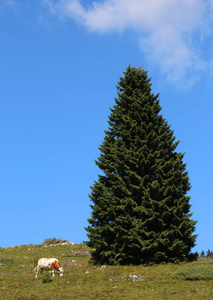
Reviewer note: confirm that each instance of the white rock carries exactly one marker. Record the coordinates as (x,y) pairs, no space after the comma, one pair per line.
(133,276)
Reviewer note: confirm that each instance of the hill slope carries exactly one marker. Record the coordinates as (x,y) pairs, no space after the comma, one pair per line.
(83,281)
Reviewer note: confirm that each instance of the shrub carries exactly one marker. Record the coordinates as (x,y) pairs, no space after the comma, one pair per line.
(46,278)
(50,241)
(196,272)
(53,241)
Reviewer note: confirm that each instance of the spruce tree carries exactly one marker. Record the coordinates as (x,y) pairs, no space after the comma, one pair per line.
(140,211)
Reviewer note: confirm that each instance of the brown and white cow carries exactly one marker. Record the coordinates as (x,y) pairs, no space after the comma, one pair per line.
(48,264)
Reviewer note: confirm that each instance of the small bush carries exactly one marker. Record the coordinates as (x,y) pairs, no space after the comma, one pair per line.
(50,241)
(53,241)
(200,272)
(46,278)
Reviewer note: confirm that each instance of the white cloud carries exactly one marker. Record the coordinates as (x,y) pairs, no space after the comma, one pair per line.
(169,31)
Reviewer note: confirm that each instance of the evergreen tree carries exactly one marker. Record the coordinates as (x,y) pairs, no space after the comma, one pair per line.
(209,253)
(140,211)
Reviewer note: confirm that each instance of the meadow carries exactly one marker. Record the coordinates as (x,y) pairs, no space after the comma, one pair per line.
(84,281)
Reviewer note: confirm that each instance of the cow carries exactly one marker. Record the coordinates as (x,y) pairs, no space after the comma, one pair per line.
(48,264)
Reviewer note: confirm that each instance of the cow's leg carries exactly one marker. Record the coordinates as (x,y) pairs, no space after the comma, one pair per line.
(41,271)
(36,272)
(52,272)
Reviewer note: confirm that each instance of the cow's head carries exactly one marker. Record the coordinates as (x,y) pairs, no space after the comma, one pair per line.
(61,271)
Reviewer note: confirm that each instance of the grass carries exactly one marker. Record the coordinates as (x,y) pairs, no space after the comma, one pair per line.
(83,281)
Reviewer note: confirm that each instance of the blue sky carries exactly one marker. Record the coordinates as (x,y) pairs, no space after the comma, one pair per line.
(59,64)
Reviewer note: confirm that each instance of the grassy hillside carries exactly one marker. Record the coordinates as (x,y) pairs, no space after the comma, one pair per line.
(83,281)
